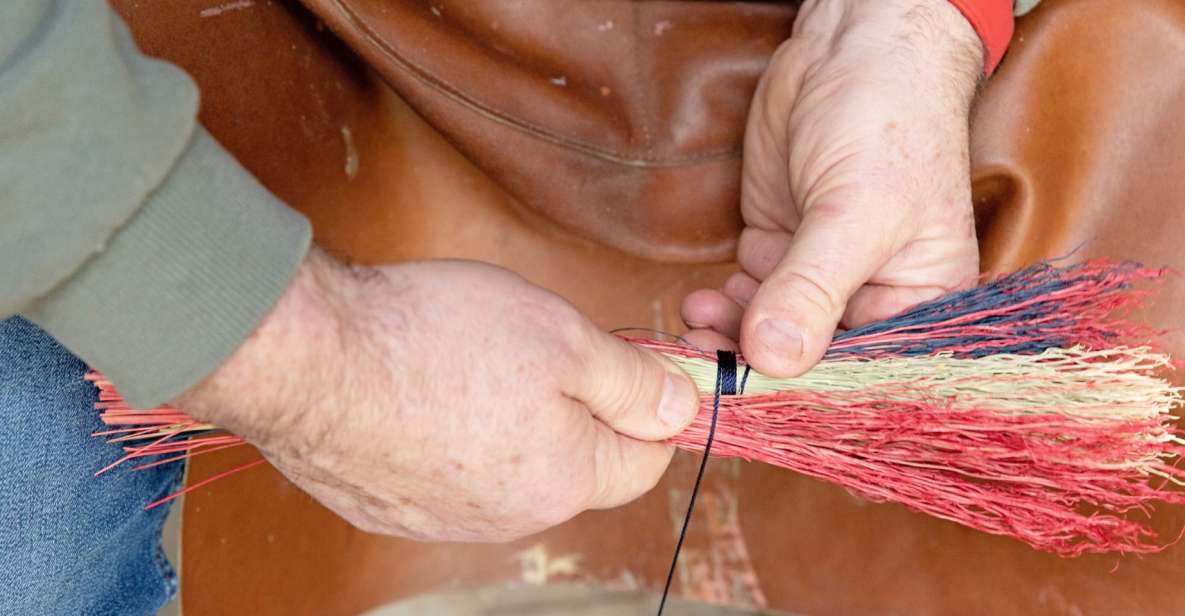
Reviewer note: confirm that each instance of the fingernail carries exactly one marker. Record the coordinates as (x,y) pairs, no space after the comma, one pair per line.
(679,401)
(781,337)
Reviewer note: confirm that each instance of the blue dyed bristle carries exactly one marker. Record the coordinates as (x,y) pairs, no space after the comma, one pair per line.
(1016,329)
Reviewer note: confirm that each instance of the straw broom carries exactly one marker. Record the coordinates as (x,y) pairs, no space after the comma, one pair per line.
(1025,407)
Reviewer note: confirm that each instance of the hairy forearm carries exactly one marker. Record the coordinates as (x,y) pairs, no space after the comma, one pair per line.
(932,43)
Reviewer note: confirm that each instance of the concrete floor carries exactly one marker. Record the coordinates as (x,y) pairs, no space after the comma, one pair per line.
(553,600)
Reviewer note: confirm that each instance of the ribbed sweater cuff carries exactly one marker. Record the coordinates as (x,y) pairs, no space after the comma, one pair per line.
(184,282)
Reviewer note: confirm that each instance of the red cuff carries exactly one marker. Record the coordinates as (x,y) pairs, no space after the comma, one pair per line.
(992,20)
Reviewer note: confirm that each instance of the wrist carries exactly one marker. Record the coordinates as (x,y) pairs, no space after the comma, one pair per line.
(944,39)
(993,22)
(927,41)
(934,29)
(269,385)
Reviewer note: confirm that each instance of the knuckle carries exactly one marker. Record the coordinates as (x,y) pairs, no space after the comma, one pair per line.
(554,515)
(567,318)
(572,333)
(366,524)
(557,328)
(507,536)
(542,509)
(807,287)
(631,387)
(650,482)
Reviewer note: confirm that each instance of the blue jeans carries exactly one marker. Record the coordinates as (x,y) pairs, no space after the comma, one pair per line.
(71,543)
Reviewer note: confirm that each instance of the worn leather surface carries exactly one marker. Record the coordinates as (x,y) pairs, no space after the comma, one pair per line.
(1076,144)
(618,120)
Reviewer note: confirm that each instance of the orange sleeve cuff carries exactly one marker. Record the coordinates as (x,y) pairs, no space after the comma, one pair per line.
(992,20)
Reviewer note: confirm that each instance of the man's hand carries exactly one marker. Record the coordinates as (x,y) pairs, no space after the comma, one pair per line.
(447,400)
(856,192)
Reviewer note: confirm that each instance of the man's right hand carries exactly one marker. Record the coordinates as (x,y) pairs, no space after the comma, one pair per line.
(447,400)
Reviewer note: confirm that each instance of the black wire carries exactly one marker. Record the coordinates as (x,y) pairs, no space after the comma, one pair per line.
(726,385)
(650,330)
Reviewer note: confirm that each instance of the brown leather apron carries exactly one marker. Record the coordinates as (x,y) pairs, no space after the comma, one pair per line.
(594,148)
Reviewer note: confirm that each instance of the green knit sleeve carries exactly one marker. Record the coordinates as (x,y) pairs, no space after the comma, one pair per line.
(1020,7)
(128,233)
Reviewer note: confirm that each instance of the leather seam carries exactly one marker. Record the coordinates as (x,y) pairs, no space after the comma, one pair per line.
(454,94)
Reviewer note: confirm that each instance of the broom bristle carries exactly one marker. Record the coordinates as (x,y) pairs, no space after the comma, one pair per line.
(1034,309)
(1053,449)
(1017,408)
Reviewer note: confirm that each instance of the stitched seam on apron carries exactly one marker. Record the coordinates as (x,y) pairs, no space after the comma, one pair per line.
(453,93)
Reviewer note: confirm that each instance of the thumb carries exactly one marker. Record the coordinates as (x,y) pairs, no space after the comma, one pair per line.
(635,391)
(791,319)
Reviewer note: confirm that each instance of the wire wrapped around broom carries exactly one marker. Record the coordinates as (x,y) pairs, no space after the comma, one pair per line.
(1017,408)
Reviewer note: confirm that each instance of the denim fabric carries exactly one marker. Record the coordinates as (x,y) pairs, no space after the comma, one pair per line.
(70,543)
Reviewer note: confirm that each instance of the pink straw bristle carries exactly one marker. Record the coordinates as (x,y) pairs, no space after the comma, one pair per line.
(208,480)
(1014,408)
(172,431)
(164,423)
(132,452)
(1024,476)
(187,455)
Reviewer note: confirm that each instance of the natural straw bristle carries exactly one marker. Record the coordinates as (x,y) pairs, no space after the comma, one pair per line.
(1025,407)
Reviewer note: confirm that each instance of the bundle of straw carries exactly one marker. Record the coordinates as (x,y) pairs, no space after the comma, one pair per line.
(1024,407)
